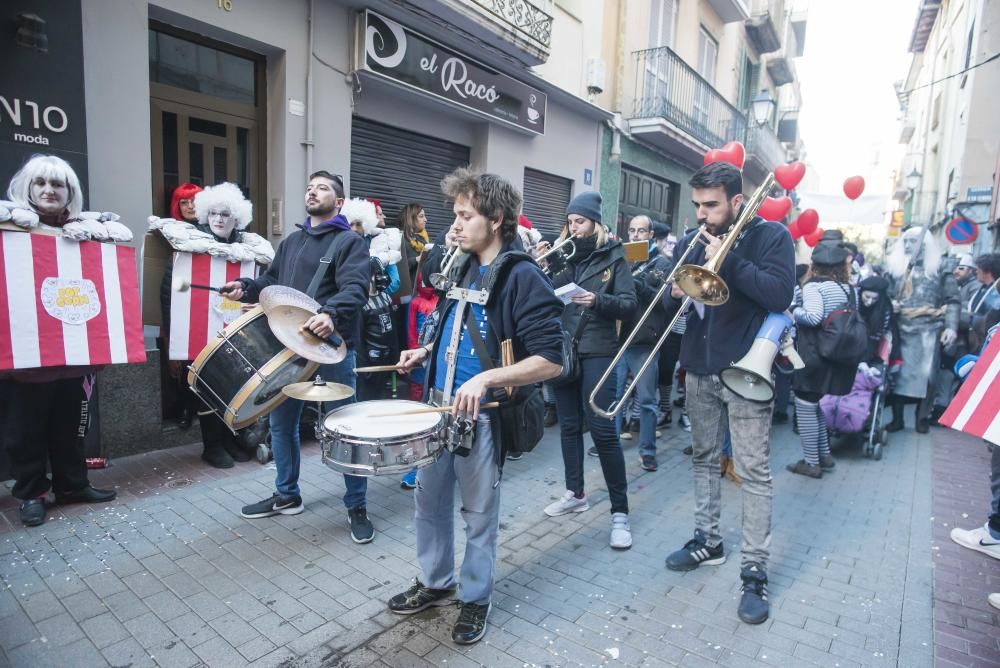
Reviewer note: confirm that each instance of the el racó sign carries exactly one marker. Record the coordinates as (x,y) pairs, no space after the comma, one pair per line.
(408,58)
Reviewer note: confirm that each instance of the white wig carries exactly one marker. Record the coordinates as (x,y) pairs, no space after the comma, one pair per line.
(224,196)
(930,259)
(46,167)
(361,211)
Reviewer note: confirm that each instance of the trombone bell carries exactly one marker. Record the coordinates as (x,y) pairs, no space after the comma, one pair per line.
(702,285)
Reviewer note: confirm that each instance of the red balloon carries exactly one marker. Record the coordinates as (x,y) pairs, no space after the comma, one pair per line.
(733,153)
(853,187)
(793,229)
(774,209)
(790,175)
(807,221)
(813,237)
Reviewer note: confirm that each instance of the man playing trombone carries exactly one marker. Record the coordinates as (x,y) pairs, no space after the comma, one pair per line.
(759,271)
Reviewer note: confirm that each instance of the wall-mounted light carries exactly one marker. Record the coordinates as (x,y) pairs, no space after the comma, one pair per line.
(762,107)
(913,180)
(31,32)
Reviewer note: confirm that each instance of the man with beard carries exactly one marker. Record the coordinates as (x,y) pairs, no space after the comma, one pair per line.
(926,302)
(944,376)
(324,238)
(760,273)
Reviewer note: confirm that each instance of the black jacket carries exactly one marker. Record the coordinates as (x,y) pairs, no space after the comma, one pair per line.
(521,307)
(606,274)
(344,289)
(648,277)
(760,273)
(820,376)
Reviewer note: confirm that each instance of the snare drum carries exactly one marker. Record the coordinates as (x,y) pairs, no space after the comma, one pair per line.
(240,373)
(356,444)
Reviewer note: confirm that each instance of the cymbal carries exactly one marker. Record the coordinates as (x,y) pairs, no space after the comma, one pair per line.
(287,311)
(318,390)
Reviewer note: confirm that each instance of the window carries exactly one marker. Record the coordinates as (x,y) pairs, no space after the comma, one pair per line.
(662,23)
(200,68)
(749,73)
(968,54)
(708,55)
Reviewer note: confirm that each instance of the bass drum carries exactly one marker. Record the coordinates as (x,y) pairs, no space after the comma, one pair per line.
(240,373)
(356,444)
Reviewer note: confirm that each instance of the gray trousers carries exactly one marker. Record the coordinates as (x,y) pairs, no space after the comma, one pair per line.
(479,487)
(712,409)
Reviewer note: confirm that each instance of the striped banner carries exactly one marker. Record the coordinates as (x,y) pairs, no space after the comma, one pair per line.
(67,303)
(198,315)
(975,409)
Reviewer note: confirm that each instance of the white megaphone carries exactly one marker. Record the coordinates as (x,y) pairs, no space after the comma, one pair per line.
(750,378)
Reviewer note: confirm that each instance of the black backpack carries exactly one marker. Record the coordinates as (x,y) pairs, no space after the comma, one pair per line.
(843,336)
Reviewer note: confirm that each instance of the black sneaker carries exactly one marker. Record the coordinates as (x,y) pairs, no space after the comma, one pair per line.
(362,530)
(665,420)
(471,625)
(695,553)
(679,401)
(515,456)
(754,607)
(688,450)
(418,597)
(649,462)
(33,512)
(276,505)
(592,451)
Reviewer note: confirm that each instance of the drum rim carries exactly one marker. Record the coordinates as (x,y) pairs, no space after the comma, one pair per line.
(426,431)
(391,441)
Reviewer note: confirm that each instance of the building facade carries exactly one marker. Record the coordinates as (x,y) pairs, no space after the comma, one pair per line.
(949,129)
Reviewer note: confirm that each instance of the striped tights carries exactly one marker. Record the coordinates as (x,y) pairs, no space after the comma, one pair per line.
(812,430)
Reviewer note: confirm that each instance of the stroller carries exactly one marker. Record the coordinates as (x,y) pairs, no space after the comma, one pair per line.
(858,414)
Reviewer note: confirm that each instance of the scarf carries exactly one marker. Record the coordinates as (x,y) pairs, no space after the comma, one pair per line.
(418,240)
(337,221)
(585,247)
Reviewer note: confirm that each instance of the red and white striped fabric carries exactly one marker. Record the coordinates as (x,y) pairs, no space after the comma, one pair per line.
(67,303)
(976,407)
(198,315)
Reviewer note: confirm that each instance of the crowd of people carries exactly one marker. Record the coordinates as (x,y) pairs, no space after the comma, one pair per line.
(563,307)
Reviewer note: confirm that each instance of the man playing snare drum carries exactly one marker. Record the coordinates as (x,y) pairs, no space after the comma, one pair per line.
(342,291)
(522,308)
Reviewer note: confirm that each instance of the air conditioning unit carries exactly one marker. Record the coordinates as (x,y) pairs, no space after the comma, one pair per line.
(595,76)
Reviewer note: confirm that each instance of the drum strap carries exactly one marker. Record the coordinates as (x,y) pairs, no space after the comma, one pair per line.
(451,355)
(324,266)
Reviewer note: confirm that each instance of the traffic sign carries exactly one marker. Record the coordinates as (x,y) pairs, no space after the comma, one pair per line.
(960,231)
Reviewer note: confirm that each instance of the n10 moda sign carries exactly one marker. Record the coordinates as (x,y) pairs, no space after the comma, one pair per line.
(42,105)
(408,58)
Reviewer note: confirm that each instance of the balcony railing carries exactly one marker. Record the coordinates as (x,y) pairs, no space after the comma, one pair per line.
(764,144)
(668,87)
(523,16)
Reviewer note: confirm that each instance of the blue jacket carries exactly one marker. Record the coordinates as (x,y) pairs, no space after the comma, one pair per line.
(760,273)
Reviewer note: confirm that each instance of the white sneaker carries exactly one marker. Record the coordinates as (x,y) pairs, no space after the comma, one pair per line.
(567,504)
(621,534)
(979,539)
(626,435)
(994,600)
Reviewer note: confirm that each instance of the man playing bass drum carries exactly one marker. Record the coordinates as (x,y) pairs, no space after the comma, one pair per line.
(760,273)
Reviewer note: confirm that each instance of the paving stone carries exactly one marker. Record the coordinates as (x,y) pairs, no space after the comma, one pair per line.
(104,630)
(128,652)
(60,630)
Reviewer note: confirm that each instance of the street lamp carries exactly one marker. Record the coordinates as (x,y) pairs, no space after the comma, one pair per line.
(913,180)
(762,107)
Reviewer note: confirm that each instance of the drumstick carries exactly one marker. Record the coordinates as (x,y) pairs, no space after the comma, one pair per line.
(183,285)
(507,359)
(429,409)
(378,369)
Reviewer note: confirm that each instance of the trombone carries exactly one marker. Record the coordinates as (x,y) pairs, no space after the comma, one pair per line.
(698,282)
(440,279)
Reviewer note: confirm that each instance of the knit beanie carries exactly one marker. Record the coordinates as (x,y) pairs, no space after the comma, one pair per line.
(586,204)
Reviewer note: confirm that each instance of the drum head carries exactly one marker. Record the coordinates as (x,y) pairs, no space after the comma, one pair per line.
(353,420)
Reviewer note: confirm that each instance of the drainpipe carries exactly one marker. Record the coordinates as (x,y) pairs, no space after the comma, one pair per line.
(308,143)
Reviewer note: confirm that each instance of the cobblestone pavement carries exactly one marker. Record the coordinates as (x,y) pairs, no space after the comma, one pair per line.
(966,627)
(170,575)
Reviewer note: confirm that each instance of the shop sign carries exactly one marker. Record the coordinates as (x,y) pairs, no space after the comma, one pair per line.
(42,105)
(407,58)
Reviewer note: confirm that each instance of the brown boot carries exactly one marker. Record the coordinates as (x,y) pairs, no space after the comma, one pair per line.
(724,462)
(730,472)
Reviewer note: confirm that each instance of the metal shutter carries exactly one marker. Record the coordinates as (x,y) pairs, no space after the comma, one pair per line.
(545,200)
(397,167)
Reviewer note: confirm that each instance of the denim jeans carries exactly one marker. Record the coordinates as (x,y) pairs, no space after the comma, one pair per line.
(644,394)
(285,444)
(478,480)
(573,406)
(713,409)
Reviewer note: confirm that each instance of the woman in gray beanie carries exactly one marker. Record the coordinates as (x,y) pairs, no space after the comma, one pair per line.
(607,294)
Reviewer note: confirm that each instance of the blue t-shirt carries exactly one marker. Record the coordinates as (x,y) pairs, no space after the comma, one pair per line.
(467,364)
